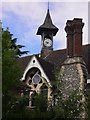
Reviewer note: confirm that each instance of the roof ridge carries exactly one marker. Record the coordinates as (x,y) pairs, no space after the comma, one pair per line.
(39,58)
(29,55)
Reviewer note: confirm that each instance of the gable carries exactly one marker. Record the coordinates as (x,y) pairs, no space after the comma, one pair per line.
(35,63)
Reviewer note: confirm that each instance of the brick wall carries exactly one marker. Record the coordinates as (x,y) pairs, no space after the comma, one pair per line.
(74,37)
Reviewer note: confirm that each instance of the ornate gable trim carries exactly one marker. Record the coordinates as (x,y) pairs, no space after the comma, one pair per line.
(34,63)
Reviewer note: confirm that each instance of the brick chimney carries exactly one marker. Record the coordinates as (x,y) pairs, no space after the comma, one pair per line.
(74,37)
(69,31)
(77,37)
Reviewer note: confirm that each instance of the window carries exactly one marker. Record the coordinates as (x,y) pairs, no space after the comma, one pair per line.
(36,78)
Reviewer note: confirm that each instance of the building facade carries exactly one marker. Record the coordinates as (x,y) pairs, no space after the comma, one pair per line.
(73,62)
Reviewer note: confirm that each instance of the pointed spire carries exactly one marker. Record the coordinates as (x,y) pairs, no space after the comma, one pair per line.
(48,21)
(48,24)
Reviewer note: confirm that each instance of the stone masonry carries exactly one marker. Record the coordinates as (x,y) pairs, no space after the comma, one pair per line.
(72,74)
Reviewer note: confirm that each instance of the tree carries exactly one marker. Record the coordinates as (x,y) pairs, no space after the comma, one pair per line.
(10,42)
(11,72)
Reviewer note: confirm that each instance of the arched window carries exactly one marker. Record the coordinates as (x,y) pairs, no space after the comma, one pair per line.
(33,76)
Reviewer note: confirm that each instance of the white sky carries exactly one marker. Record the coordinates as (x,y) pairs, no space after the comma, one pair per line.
(24,17)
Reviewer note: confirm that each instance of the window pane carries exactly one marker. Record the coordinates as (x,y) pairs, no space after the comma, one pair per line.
(36,79)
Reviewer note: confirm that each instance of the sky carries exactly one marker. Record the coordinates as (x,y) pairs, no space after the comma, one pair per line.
(24,17)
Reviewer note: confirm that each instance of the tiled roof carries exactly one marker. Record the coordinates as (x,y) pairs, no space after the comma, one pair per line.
(56,58)
(48,68)
(23,61)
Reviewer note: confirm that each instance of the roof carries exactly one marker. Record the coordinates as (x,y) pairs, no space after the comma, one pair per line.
(59,56)
(56,58)
(23,61)
(47,25)
(48,68)
(86,56)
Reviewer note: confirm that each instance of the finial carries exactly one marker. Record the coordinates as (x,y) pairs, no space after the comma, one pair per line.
(48,4)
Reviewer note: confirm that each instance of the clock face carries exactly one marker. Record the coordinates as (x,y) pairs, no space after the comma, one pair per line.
(47,42)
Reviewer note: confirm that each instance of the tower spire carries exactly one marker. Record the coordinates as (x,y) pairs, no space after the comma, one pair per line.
(48,24)
(48,4)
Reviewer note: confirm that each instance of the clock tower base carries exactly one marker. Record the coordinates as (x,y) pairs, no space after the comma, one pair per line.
(45,53)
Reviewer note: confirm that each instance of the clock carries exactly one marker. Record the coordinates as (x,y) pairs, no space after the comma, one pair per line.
(47,42)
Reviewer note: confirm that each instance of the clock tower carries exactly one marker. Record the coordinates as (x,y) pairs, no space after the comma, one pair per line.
(47,30)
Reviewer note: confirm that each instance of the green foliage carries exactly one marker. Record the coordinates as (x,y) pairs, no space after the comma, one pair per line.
(41,102)
(88,106)
(10,42)
(16,108)
(69,108)
(19,111)
(10,68)
(11,72)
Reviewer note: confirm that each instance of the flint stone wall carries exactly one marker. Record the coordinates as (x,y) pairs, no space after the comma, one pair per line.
(72,75)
